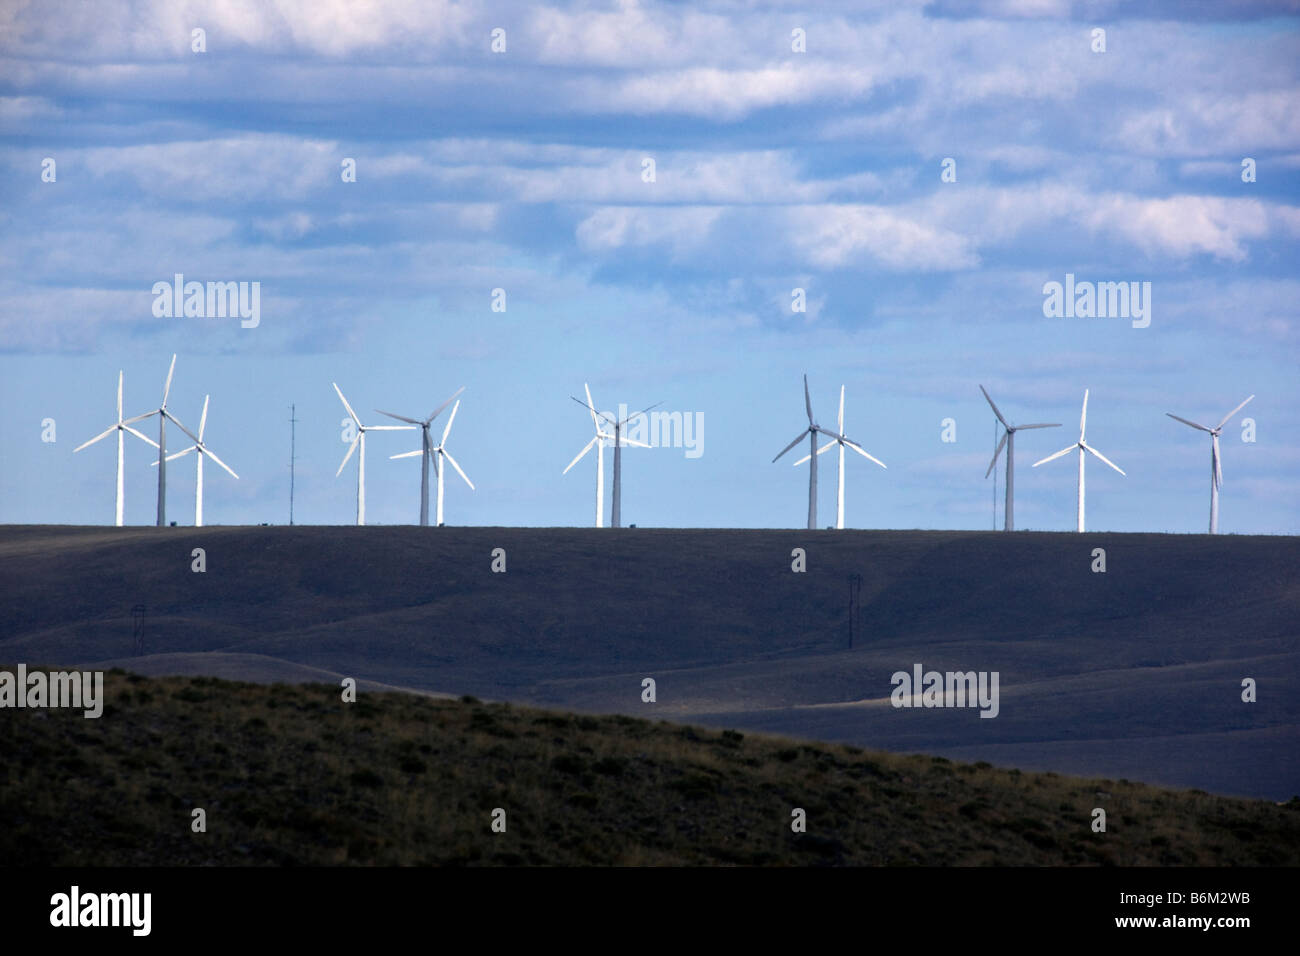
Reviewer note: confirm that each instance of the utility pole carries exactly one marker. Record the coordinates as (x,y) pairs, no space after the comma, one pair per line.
(137,630)
(855,591)
(293,423)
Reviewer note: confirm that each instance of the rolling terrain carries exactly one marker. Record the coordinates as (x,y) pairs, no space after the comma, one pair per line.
(1135,673)
(292,775)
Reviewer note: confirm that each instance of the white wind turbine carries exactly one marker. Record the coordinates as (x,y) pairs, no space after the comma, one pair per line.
(435,453)
(599,442)
(1216,468)
(203,451)
(163,416)
(811,431)
(619,440)
(1008,439)
(361,461)
(840,440)
(121,428)
(427,450)
(1082,446)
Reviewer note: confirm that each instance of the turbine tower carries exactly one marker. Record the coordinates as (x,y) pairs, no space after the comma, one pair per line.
(361,461)
(619,440)
(1082,446)
(1216,468)
(163,416)
(203,451)
(1008,439)
(842,442)
(427,451)
(121,427)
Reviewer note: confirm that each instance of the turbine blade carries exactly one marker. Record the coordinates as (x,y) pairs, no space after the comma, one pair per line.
(1218,463)
(642,412)
(802,435)
(856,447)
(594,413)
(205,451)
(175,456)
(591,405)
(1064,451)
(1233,412)
(346,405)
(351,448)
(408,454)
(104,434)
(176,421)
(140,418)
(446,454)
(400,418)
(140,435)
(807,400)
(437,411)
(1186,422)
(450,418)
(586,448)
(1094,451)
(1083,418)
(203,419)
(826,447)
(1049,425)
(119,395)
(995,409)
(996,453)
(168,387)
(389,428)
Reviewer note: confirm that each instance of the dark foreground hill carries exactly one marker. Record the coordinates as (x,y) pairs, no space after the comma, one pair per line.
(293,775)
(1136,672)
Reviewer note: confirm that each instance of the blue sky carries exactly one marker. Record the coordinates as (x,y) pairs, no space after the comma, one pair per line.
(774,170)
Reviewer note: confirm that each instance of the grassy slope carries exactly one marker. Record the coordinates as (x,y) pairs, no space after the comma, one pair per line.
(290,774)
(1133,673)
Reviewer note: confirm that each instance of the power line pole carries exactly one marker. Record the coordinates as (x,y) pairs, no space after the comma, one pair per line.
(137,630)
(293,435)
(855,590)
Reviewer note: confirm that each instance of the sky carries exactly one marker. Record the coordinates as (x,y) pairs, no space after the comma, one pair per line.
(628,195)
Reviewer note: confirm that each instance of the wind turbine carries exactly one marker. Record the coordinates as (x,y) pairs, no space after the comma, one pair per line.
(811,431)
(427,450)
(842,442)
(361,462)
(619,440)
(121,427)
(599,442)
(1216,468)
(202,450)
(1082,446)
(436,453)
(1008,439)
(163,416)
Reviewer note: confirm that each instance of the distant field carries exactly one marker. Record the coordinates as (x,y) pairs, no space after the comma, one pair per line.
(1132,673)
(289,774)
